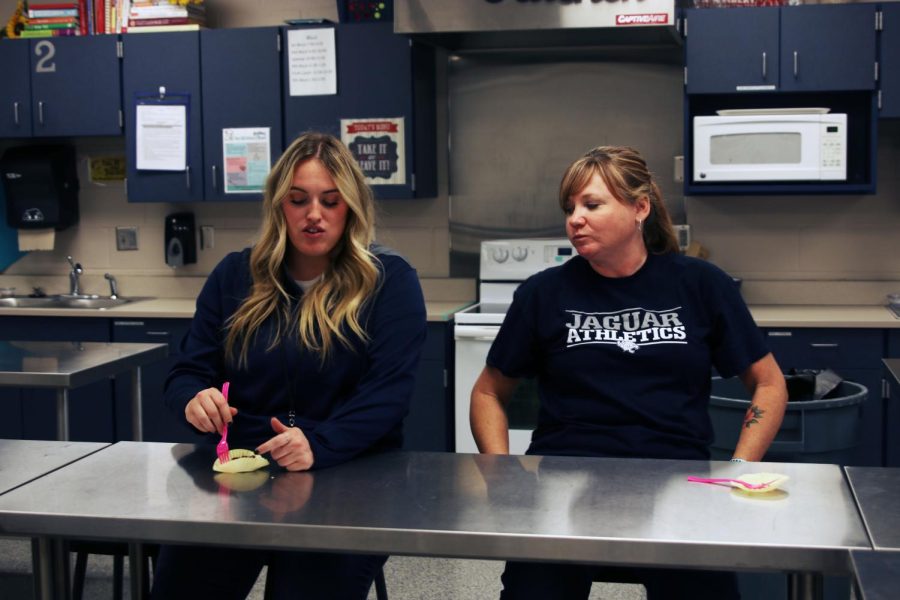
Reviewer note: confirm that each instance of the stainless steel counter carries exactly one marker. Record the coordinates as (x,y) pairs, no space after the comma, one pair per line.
(876,574)
(605,511)
(25,460)
(893,367)
(876,491)
(66,365)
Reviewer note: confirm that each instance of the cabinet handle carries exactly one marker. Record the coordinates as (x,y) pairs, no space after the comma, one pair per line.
(40,112)
(763,65)
(780,334)
(796,63)
(16,112)
(157,333)
(824,345)
(215,184)
(187,176)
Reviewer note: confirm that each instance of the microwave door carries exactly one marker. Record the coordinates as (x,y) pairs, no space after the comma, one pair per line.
(756,151)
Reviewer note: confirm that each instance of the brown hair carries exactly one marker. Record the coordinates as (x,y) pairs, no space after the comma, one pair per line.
(625,174)
(332,306)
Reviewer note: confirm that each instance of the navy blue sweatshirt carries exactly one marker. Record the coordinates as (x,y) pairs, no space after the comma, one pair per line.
(354,404)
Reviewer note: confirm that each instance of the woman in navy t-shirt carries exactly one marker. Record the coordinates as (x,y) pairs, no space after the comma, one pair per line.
(622,340)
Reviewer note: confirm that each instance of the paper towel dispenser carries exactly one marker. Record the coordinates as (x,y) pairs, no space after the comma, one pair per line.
(41,186)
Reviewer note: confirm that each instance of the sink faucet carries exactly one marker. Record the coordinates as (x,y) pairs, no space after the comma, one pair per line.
(113,287)
(74,274)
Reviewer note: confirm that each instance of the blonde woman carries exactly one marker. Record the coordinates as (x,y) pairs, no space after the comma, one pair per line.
(319,333)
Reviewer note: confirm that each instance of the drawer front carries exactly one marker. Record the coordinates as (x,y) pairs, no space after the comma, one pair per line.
(835,349)
(893,343)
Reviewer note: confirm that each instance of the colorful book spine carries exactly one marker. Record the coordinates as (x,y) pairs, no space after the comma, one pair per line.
(83,17)
(40,27)
(51,5)
(42,33)
(52,12)
(167,21)
(50,20)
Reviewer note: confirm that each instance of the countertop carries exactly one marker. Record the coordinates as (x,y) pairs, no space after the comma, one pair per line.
(183,308)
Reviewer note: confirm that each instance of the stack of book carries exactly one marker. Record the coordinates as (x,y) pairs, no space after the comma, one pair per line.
(159,15)
(52,19)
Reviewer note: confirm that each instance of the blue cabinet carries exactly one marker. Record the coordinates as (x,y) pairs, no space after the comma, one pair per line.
(380,75)
(241,81)
(15,95)
(159,424)
(889,61)
(429,424)
(788,49)
(731,50)
(33,411)
(68,87)
(892,405)
(171,62)
(854,354)
(229,78)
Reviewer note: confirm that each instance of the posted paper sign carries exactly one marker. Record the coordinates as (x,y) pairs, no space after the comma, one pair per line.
(246,159)
(379,146)
(161,138)
(312,67)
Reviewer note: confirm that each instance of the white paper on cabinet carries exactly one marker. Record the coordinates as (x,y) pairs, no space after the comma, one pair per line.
(312,66)
(161,140)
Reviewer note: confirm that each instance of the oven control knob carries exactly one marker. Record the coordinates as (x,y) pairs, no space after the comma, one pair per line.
(519,253)
(500,254)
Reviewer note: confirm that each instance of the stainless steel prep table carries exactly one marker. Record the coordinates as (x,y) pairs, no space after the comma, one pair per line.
(604,511)
(876,490)
(23,461)
(67,365)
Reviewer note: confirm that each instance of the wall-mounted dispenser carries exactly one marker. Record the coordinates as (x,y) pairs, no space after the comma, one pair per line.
(41,187)
(181,239)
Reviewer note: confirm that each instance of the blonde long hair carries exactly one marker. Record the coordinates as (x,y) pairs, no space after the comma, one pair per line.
(625,174)
(330,310)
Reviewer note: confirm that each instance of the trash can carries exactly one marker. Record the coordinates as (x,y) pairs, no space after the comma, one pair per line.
(813,431)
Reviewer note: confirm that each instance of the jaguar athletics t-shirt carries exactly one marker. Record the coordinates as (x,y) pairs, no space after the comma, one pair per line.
(623,365)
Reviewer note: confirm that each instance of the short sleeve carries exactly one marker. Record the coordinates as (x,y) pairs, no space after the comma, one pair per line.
(515,351)
(736,341)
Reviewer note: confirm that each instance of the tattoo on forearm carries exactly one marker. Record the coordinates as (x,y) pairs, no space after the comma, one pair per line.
(754,414)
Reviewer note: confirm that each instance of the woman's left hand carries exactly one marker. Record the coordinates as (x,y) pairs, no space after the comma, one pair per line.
(289,448)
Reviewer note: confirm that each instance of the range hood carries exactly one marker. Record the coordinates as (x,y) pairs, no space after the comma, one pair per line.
(529,24)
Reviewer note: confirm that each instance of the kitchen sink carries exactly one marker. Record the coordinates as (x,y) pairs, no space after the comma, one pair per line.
(65,301)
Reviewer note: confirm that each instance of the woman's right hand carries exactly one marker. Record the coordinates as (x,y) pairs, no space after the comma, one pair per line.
(209,411)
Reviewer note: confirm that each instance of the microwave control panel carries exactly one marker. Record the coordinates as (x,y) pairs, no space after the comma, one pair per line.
(833,151)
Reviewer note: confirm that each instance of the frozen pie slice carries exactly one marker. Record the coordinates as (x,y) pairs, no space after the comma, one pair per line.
(240,461)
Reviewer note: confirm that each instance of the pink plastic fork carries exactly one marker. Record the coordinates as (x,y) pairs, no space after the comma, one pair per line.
(746,484)
(222,446)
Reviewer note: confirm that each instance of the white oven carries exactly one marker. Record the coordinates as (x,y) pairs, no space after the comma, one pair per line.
(770,145)
(504,264)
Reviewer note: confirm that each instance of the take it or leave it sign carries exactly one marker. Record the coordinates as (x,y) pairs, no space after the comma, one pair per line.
(379,147)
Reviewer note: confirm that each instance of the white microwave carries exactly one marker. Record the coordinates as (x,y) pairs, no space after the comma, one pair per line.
(773,146)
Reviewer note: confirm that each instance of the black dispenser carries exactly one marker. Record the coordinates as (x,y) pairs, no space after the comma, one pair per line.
(181,239)
(41,186)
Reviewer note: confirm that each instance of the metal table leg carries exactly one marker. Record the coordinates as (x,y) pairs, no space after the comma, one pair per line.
(62,414)
(140,586)
(805,586)
(137,425)
(50,560)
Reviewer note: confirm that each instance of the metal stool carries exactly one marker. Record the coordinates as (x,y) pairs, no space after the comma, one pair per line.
(380,587)
(119,551)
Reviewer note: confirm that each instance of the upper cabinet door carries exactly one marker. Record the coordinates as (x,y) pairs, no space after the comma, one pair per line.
(169,61)
(828,47)
(241,79)
(732,50)
(890,61)
(15,95)
(384,79)
(75,86)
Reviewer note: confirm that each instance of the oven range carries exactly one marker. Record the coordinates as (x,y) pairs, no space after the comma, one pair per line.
(503,266)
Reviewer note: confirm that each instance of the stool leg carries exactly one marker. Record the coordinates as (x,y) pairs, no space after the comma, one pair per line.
(78,578)
(118,576)
(380,587)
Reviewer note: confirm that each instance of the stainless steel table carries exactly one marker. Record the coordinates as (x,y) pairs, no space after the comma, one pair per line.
(67,365)
(604,511)
(877,572)
(22,461)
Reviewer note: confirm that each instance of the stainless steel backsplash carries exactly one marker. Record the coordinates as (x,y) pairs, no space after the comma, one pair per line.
(518,119)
